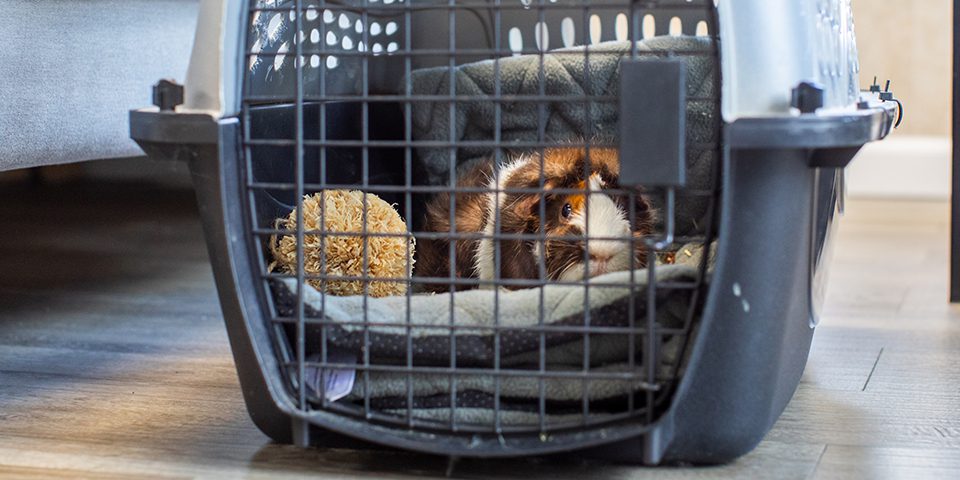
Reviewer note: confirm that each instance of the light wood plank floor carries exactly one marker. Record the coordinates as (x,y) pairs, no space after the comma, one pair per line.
(114,361)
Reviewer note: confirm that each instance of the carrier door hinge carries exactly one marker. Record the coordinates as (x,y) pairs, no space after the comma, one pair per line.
(167,95)
(653,118)
(807,97)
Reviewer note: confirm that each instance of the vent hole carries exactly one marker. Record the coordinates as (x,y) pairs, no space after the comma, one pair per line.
(280,58)
(568,32)
(649,26)
(676,27)
(702,29)
(541,35)
(273,28)
(595,29)
(515,39)
(620,28)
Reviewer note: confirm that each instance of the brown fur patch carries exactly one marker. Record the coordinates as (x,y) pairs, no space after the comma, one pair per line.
(470,213)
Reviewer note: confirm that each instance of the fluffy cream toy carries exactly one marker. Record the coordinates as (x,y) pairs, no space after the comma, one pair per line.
(387,256)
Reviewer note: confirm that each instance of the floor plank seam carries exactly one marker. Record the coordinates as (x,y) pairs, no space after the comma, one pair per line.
(816,465)
(874,369)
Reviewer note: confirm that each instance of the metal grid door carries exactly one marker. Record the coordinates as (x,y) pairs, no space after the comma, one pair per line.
(332,102)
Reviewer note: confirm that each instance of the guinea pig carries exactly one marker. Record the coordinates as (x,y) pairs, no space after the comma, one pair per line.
(568,217)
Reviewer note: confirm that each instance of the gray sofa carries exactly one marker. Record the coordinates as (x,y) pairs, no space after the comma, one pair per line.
(73,68)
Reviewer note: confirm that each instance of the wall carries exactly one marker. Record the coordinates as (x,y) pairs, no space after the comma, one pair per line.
(910,43)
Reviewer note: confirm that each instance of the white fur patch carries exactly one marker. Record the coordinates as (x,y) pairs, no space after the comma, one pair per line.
(606,222)
(484,265)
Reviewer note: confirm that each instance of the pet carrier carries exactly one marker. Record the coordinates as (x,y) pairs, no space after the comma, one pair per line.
(560,225)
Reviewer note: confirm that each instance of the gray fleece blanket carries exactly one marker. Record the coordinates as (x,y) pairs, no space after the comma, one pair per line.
(519,347)
(519,311)
(566,73)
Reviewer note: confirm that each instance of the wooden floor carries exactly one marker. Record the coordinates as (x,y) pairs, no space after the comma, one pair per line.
(114,360)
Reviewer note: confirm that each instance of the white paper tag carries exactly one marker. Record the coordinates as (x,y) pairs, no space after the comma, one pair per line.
(337,382)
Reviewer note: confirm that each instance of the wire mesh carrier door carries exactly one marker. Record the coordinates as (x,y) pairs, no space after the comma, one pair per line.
(540,296)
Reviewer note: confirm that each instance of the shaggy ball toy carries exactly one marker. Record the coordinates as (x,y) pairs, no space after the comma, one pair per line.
(387,256)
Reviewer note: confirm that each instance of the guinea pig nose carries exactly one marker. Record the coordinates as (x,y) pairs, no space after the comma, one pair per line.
(594,257)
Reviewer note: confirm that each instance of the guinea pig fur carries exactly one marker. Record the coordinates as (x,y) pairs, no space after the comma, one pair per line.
(572,207)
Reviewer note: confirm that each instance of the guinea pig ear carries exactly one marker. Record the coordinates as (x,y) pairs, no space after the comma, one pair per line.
(646,213)
(526,209)
(528,205)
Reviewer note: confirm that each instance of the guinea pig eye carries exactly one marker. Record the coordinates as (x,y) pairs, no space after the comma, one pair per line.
(566,210)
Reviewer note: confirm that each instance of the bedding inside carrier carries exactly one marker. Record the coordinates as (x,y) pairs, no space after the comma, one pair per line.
(509,330)
(492,355)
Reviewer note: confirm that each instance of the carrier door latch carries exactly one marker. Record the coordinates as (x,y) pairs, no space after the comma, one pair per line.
(653,118)
(887,96)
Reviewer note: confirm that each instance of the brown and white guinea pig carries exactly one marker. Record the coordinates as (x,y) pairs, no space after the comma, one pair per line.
(564,221)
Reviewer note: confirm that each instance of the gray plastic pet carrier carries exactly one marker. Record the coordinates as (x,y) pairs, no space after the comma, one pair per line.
(504,228)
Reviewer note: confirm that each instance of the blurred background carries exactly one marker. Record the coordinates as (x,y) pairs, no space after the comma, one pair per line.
(908,43)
